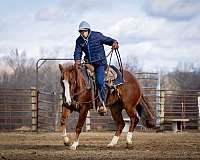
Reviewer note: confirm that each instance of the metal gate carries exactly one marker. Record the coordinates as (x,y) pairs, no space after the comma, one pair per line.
(181,106)
(48,103)
(48,111)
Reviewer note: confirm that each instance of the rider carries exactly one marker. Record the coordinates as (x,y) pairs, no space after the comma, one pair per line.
(91,43)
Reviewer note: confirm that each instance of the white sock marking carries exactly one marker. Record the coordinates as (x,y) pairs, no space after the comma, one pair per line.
(64,132)
(66,139)
(74,145)
(114,141)
(129,137)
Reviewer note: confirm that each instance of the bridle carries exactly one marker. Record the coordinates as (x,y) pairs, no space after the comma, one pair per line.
(76,94)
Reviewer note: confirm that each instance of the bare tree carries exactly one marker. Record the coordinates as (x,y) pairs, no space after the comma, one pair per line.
(22,70)
(132,64)
(184,77)
(49,77)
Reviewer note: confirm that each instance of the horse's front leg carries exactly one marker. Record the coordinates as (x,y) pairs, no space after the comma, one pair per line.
(65,114)
(80,123)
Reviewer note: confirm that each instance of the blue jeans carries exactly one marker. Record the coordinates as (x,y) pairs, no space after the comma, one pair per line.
(100,76)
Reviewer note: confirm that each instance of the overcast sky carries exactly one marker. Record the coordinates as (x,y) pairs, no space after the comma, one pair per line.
(160,33)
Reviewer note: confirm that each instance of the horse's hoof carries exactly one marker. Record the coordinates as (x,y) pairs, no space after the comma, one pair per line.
(110,145)
(74,145)
(72,148)
(66,141)
(128,144)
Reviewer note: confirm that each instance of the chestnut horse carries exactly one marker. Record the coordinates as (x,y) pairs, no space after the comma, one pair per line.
(128,96)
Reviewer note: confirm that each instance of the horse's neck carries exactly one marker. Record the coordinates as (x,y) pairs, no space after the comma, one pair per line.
(81,80)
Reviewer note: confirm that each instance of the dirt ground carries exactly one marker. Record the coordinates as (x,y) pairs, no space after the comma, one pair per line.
(49,146)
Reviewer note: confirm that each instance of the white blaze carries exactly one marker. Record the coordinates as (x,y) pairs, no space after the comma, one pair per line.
(67,92)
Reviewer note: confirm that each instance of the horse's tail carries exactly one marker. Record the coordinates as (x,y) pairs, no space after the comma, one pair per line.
(146,112)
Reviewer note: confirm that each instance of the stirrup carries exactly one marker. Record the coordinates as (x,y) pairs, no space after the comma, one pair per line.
(113,88)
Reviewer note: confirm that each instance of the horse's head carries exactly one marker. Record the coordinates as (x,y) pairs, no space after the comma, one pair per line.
(68,82)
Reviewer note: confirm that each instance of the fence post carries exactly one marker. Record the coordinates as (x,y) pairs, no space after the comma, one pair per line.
(162,105)
(158,92)
(88,123)
(199,112)
(34,108)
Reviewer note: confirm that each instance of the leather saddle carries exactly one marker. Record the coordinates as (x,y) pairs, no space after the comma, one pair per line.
(112,75)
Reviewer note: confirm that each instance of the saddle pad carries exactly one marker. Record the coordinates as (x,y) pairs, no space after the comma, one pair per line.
(118,80)
(110,74)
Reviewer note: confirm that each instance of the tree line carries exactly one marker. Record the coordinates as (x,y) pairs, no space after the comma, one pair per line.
(20,73)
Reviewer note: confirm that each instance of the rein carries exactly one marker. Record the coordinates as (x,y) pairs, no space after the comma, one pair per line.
(120,68)
(80,92)
(87,102)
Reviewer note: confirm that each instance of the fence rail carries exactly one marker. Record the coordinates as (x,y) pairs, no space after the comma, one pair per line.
(16,109)
(27,109)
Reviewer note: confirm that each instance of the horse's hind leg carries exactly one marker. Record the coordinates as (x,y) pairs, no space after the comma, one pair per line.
(134,121)
(116,112)
(65,114)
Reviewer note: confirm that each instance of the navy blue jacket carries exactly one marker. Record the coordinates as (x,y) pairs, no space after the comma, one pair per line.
(93,48)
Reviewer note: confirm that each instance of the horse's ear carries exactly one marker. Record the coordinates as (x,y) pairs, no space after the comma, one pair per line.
(61,68)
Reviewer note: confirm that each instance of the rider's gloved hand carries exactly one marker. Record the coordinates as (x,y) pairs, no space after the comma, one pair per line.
(115,45)
(77,63)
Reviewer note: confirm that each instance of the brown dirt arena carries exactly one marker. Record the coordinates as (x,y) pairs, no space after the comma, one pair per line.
(49,146)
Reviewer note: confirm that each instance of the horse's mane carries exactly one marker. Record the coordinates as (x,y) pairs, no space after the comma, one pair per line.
(68,65)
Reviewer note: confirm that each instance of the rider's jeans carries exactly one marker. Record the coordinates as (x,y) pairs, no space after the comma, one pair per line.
(100,76)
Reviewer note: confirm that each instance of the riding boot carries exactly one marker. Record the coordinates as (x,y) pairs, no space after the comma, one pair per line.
(102,110)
